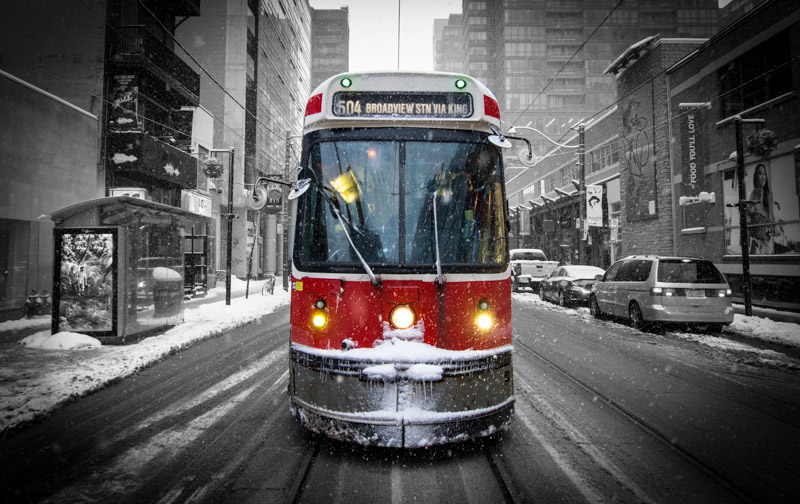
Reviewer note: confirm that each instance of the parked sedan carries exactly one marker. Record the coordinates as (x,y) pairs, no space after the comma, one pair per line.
(570,284)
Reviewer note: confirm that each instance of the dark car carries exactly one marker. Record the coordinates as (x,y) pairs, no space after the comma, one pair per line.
(570,284)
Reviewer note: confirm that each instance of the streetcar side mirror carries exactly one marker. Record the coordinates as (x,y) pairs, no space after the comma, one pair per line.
(499,141)
(300,189)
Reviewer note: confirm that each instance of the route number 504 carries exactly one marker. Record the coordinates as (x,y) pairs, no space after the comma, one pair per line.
(348,107)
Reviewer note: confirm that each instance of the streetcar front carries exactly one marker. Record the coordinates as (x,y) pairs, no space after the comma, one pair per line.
(401,308)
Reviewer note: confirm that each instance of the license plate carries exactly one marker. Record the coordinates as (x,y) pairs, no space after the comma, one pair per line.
(695,293)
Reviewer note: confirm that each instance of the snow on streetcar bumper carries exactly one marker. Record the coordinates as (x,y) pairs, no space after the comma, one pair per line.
(402,404)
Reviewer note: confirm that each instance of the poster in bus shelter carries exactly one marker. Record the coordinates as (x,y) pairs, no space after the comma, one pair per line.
(84,298)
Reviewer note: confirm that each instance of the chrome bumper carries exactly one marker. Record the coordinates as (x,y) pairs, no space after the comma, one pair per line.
(335,397)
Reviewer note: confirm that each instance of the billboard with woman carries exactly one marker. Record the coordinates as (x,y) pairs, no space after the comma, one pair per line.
(773,212)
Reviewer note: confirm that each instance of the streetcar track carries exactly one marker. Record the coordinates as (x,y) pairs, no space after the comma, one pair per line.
(500,470)
(497,467)
(731,397)
(296,488)
(647,428)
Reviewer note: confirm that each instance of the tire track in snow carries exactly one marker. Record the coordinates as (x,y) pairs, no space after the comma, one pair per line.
(178,408)
(583,443)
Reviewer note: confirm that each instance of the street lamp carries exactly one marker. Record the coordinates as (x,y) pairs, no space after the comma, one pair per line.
(229,216)
(530,159)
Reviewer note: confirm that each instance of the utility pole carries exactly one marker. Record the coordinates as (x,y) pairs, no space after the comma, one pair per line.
(285,213)
(742,205)
(582,191)
(744,235)
(230,216)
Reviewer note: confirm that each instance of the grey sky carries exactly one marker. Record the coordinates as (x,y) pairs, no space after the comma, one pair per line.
(373,31)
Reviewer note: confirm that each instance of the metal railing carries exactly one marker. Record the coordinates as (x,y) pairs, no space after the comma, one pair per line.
(135,40)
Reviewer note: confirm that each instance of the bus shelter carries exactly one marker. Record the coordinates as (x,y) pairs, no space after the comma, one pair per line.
(119,268)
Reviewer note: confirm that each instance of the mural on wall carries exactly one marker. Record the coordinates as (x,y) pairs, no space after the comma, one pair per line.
(773,219)
(85,269)
(636,146)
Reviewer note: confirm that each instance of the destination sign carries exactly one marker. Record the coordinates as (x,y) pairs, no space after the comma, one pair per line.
(402,104)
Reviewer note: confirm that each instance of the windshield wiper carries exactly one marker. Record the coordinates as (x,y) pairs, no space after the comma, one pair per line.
(333,205)
(376,281)
(439,277)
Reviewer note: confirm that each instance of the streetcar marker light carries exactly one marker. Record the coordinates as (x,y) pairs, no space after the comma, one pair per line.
(484,321)
(483,304)
(314,105)
(461,83)
(320,303)
(346,82)
(402,317)
(319,320)
(490,107)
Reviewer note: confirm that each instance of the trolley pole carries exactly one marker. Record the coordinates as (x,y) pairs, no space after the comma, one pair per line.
(582,192)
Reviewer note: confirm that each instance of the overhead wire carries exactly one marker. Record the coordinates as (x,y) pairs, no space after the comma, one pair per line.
(213,79)
(619,101)
(578,50)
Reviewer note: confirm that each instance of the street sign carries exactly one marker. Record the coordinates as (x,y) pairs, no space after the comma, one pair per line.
(594,205)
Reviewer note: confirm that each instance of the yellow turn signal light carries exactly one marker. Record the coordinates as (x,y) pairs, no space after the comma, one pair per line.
(484,321)
(319,320)
(402,317)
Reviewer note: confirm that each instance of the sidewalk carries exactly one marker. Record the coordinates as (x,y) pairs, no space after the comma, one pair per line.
(13,331)
(772,314)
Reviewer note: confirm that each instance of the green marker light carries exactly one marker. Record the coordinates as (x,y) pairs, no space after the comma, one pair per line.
(461,83)
(346,82)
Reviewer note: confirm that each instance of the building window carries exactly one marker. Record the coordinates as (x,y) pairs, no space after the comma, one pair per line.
(759,75)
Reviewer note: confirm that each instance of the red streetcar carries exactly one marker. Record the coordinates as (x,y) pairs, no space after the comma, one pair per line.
(401,290)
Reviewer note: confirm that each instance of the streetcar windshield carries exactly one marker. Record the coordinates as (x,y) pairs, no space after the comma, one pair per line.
(384,191)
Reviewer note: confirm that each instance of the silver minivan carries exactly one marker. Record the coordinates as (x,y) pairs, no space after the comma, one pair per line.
(647,289)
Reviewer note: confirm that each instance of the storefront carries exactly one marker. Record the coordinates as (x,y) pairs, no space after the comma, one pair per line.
(123,266)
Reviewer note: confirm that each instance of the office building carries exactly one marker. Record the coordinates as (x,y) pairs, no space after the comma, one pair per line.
(330,43)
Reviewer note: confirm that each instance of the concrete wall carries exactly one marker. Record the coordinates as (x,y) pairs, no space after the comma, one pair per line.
(48,160)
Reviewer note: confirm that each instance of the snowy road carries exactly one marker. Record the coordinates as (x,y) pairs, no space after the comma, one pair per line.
(604,413)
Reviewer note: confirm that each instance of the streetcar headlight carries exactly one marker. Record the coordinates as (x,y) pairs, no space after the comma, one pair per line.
(484,321)
(402,317)
(319,320)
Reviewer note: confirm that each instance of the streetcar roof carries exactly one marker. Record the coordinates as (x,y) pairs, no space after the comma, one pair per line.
(394,85)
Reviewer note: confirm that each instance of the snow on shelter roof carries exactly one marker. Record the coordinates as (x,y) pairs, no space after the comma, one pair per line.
(65,213)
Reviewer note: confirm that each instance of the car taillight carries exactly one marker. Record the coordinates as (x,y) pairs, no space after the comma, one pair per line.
(490,107)
(314,105)
(718,293)
(668,292)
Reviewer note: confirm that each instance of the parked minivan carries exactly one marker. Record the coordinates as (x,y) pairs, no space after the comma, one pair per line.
(647,289)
